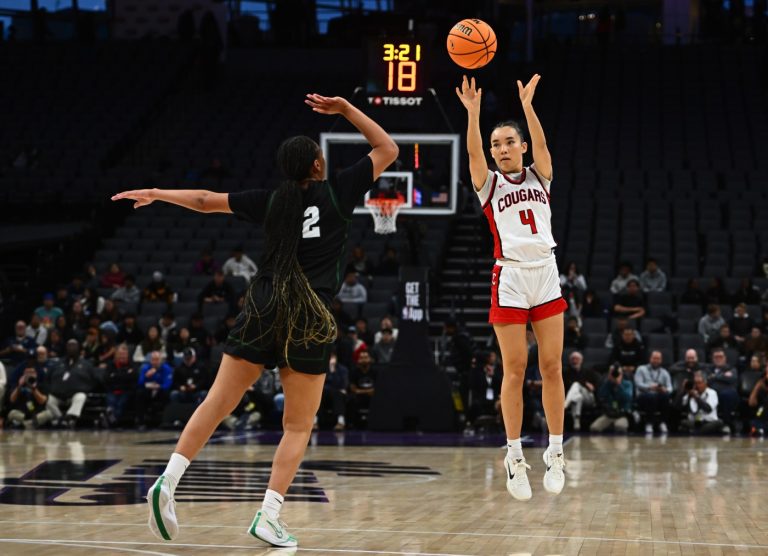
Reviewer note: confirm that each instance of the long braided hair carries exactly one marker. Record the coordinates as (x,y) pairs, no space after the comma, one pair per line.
(301,317)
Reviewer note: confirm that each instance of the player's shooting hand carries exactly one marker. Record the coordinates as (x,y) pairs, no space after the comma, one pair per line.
(526,93)
(469,95)
(143,197)
(327,105)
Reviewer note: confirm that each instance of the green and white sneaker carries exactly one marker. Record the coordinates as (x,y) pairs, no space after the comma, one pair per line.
(271,531)
(162,510)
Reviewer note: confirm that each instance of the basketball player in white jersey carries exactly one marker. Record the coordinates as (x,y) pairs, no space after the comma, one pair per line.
(525,285)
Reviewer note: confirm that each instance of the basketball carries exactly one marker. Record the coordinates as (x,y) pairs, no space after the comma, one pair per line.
(471,43)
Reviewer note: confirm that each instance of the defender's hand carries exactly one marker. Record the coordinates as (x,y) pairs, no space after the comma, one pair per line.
(143,197)
(327,105)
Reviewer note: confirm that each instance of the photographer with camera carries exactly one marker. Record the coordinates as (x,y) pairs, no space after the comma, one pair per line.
(615,396)
(700,401)
(27,399)
(758,403)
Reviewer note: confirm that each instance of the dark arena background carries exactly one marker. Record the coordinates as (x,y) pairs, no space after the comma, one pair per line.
(656,116)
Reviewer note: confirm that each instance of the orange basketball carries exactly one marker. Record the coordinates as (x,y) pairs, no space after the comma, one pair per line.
(471,43)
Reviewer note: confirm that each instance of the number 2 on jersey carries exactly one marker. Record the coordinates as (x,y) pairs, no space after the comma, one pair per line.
(526,217)
(311,217)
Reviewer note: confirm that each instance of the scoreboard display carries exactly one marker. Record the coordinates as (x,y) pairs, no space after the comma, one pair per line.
(396,67)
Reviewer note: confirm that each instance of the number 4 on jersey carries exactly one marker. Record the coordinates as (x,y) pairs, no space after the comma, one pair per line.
(526,217)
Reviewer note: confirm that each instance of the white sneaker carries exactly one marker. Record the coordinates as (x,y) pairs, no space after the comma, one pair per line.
(162,510)
(554,478)
(517,478)
(648,428)
(663,428)
(271,531)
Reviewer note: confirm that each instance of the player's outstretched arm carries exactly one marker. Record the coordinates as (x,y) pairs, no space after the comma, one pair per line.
(470,97)
(541,157)
(199,200)
(384,149)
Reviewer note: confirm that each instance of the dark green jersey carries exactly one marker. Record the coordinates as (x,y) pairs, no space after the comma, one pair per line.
(327,208)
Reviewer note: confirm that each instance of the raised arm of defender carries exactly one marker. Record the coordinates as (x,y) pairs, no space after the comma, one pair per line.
(470,97)
(541,157)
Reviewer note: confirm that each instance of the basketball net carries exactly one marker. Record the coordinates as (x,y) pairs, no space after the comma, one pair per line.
(384,212)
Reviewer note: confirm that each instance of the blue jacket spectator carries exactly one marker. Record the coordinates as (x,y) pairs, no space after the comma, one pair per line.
(156,372)
(615,395)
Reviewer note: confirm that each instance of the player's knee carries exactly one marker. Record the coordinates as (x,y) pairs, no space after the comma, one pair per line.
(514,376)
(551,368)
(299,424)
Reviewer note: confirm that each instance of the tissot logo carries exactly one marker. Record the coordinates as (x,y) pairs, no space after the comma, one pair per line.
(395,101)
(70,483)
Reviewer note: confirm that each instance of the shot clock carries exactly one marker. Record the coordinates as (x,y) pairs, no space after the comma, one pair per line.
(396,67)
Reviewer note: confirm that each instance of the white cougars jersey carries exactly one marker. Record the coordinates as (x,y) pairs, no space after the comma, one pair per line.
(519,214)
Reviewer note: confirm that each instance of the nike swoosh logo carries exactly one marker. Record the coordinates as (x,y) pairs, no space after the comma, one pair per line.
(509,472)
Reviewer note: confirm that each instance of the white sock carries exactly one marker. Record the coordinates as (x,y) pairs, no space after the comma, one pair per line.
(175,469)
(556,443)
(273,502)
(514,449)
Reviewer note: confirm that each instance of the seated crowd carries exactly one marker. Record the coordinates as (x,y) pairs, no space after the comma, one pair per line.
(83,358)
(631,381)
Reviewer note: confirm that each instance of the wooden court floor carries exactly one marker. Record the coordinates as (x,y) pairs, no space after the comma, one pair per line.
(66,493)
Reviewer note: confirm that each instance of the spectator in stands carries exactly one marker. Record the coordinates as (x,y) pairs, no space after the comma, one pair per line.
(741,324)
(225,327)
(28,398)
(723,340)
(615,396)
(61,299)
(151,343)
(48,312)
(716,293)
(69,383)
(217,290)
(486,388)
(573,285)
(168,328)
(92,302)
(113,278)
(190,380)
(76,289)
(693,294)
(359,262)
(352,291)
(747,293)
(3,384)
(350,346)
(19,346)
(362,380)
(363,332)
(615,336)
(107,345)
(756,343)
(36,330)
(619,283)
(110,312)
(206,264)
(580,386)
(155,380)
(389,264)
(335,393)
(158,290)
(91,344)
(653,385)
(383,349)
(120,380)
(199,336)
(63,327)
(591,306)
(128,292)
(724,379)
(343,320)
(91,279)
(240,264)
(574,339)
(386,322)
(689,365)
(758,404)
(631,302)
(55,343)
(78,321)
(181,342)
(653,278)
(128,332)
(629,352)
(709,324)
(700,404)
